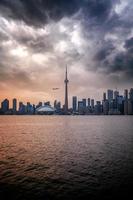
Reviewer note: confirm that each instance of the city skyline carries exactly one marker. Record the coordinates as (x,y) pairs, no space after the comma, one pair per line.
(66,99)
(113,103)
(94,38)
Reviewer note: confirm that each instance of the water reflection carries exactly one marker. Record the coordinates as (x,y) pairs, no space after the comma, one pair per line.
(49,157)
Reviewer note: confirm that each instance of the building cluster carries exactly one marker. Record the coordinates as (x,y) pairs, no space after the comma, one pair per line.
(22,109)
(112,104)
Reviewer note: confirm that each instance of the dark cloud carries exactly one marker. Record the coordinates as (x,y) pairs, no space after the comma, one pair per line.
(39,12)
(129,43)
(104,52)
(96,37)
(123,63)
(99,9)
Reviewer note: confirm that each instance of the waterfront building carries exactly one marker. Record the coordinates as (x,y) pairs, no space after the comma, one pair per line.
(120,101)
(105,107)
(131,100)
(22,108)
(5,105)
(126,102)
(84,103)
(39,104)
(131,94)
(129,107)
(104,96)
(74,104)
(110,95)
(45,110)
(89,102)
(29,108)
(98,108)
(57,106)
(92,104)
(110,100)
(116,94)
(80,107)
(47,103)
(14,107)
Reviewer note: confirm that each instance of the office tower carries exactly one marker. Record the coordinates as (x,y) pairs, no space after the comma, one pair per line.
(39,104)
(125,94)
(131,94)
(110,95)
(57,106)
(5,105)
(20,107)
(116,94)
(89,102)
(115,106)
(84,102)
(92,104)
(98,108)
(74,103)
(105,107)
(34,108)
(29,108)
(104,96)
(126,102)
(14,107)
(120,101)
(80,107)
(66,81)
(110,100)
(47,103)
(55,103)
(130,110)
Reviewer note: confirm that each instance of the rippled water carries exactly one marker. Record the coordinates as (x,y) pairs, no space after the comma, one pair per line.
(66,157)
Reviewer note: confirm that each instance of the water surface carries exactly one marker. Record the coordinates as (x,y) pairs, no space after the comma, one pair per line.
(66,157)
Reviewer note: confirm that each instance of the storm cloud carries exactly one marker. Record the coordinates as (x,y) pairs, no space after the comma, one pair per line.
(41,11)
(39,37)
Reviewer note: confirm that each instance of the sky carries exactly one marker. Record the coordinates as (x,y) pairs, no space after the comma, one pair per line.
(38,38)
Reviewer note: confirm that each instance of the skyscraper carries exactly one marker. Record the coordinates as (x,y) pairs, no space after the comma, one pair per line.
(66,81)
(74,103)
(110,95)
(81,107)
(131,94)
(104,96)
(92,104)
(126,102)
(116,94)
(110,100)
(84,103)
(126,94)
(131,100)
(14,107)
(5,105)
(89,102)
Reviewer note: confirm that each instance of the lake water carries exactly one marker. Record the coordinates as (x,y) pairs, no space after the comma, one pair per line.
(66,157)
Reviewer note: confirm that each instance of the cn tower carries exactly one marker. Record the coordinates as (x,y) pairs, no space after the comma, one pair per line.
(66,81)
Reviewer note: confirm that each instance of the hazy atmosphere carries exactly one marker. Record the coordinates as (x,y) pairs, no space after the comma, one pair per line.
(94,38)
